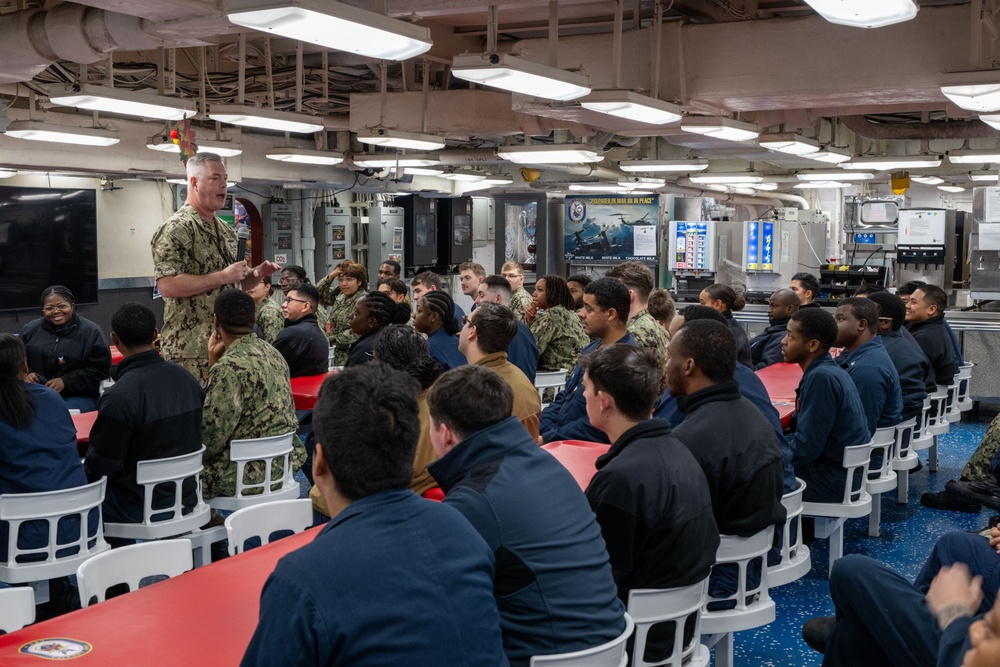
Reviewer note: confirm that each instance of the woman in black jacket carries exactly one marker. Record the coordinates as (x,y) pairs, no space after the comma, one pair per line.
(65,351)
(724,299)
(372,313)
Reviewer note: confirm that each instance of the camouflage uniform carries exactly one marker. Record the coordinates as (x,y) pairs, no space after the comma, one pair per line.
(248,395)
(339,312)
(187,243)
(560,336)
(520,300)
(270,319)
(978,466)
(648,333)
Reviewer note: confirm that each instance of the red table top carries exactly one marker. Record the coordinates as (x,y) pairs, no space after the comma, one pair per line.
(781,380)
(305,390)
(579,457)
(84,422)
(202,617)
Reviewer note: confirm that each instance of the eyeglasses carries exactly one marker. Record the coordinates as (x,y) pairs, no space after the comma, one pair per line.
(288,298)
(467,320)
(54,308)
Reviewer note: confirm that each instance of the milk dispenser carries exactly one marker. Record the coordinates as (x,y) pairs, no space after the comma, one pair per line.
(926,247)
(984,244)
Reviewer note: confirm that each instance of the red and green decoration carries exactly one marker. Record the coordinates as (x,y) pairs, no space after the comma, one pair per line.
(183,136)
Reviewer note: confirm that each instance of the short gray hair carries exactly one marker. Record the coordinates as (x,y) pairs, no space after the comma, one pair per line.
(196,163)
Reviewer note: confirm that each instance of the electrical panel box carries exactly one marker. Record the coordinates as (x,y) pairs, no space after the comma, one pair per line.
(333,231)
(455,226)
(420,216)
(280,244)
(386,232)
(791,214)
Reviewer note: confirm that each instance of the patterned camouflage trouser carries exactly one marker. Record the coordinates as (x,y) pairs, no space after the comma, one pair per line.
(978,467)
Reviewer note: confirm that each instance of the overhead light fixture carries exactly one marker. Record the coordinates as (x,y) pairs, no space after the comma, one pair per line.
(177,181)
(865,13)
(822,185)
(394,138)
(720,128)
(993,120)
(718,178)
(266,119)
(893,162)
(513,73)
(974,91)
(220,148)
(465,177)
(633,106)
(981,156)
(489,183)
(596,187)
(951,188)
(62,134)
(334,25)
(550,154)
(125,102)
(421,171)
(793,144)
(766,186)
(835,175)
(8,173)
(640,182)
(303,156)
(927,180)
(983,176)
(830,155)
(653,166)
(389,161)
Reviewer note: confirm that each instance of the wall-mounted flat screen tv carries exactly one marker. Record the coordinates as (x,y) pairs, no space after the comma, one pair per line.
(47,237)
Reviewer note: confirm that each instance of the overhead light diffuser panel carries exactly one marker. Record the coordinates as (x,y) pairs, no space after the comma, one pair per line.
(633,106)
(793,144)
(823,185)
(596,187)
(396,139)
(927,180)
(993,120)
(830,155)
(518,75)
(303,156)
(890,162)
(974,96)
(983,176)
(554,154)
(835,176)
(738,178)
(652,166)
(639,182)
(387,161)
(974,156)
(333,25)
(266,119)
(61,134)
(220,148)
(720,128)
(124,102)
(865,13)
(951,188)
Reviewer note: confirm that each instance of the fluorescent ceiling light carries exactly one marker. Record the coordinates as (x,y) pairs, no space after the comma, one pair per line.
(889,162)
(421,171)
(927,180)
(554,154)
(793,144)
(830,155)
(652,166)
(951,188)
(489,183)
(865,13)
(766,186)
(835,176)
(822,185)
(334,25)
(8,173)
(974,96)
(220,148)
(391,161)
(983,176)
(974,156)
(465,177)
(596,187)
(993,120)
(513,73)
(633,106)
(266,119)
(303,156)
(720,128)
(639,182)
(62,134)
(124,102)
(396,139)
(738,178)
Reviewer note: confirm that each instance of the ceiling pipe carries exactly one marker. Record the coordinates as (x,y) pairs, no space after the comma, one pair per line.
(936,129)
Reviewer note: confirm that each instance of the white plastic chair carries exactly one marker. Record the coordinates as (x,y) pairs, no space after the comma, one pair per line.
(880,479)
(74,411)
(937,423)
(17,608)
(266,450)
(554,380)
(330,365)
(649,607)
(964,381)
(611,654)
(904,458)
(796,560)
(264,520)
(130,565)
(54,559)
(857,502)
(718,626)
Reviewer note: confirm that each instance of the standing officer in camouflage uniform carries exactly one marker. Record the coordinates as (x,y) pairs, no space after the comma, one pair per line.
(248,395)
(352,284)
(519,297)
(646,331)
(194,259)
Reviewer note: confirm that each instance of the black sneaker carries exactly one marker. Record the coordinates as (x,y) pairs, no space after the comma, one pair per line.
(816,632)
(985,491)
(949,500)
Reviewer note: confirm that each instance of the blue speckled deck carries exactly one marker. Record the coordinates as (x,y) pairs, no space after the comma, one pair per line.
(908,533)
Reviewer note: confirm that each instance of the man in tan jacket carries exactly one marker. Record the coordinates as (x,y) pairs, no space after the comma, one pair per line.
(484,338)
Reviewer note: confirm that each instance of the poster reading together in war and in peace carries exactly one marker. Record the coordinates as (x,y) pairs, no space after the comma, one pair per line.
(615,227)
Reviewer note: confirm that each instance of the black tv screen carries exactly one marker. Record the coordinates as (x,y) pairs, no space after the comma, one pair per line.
(47,237)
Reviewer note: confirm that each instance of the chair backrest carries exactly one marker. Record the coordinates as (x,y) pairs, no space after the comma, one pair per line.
(330,365)
(793,512)
(266,452)
(17,608)
(555,379)
(964,381)
(741,551)
(681,607)
(54,558)
(74,411)
(904,438)
(130,565)
(174,470)
(611,654)
(939,405)
(265,519)
(923,420)
(856,458)
(880,454)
